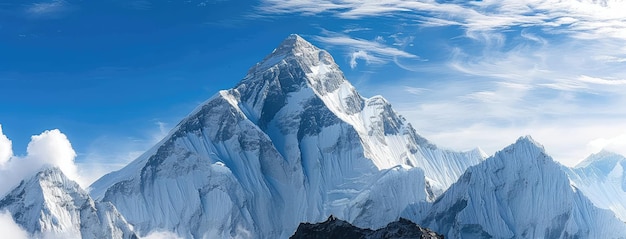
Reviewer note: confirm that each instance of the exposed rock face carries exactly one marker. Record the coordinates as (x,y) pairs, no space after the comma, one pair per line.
(334,228)
(49,205)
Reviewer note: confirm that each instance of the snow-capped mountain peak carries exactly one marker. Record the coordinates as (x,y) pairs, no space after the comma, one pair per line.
(302,58)
(520,192)
(50,204)
(293,140)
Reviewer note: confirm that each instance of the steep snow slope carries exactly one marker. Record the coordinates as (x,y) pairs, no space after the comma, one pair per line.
(520,192)
(292,142)
(50,205)
(602,178)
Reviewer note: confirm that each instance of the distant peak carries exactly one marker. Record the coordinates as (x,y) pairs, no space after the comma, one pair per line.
(606,153)
(603,157)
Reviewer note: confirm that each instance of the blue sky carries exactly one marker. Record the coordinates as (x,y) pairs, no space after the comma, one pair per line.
(114,76)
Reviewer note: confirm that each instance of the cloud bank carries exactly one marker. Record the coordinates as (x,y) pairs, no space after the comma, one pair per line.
(9,228)
(50,148)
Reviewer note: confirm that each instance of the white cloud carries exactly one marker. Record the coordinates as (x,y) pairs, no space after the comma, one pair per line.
(46,8)
(371,46)
(373,52)
(50,148)
(6,148)
(582,18)
(363,55)
(600,81)
(616,143)
(356,29)
(9,228)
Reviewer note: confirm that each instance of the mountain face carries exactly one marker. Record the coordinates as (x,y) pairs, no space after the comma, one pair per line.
(602,178)
(334,228)
(520,192)
(50,205)
(292,142)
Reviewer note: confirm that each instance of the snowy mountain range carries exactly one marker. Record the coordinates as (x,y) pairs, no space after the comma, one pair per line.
(295,142)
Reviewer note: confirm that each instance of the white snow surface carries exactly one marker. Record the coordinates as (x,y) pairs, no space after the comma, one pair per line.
(292,142)
(49,205)
(520,192)
(602,178)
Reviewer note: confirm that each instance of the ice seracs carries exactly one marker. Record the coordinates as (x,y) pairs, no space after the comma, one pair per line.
(49,205)
(520,192)
(292,142)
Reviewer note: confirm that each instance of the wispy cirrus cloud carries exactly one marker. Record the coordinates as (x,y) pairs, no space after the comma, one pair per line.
(47,8)
(600,81)
(582,18)
(371,51)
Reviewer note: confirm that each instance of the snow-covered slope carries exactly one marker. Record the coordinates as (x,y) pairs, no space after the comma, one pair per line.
(49,205)
(292,142)
(602,178)
(520,192)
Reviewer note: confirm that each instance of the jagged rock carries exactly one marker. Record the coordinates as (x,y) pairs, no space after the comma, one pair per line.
(334,228)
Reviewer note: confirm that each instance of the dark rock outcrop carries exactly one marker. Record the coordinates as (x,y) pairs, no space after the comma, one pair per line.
(336,228)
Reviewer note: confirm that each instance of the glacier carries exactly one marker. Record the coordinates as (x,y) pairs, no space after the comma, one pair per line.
(49,205)
(520,192)
(292,142)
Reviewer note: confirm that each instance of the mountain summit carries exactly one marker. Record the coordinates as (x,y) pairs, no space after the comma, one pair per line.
(292,142)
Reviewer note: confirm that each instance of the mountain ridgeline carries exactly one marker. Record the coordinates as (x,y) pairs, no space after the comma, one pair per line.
(294,142)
